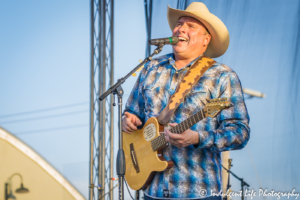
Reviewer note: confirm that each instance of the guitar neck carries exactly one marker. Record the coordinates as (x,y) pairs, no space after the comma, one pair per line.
(188,123)
(161,141)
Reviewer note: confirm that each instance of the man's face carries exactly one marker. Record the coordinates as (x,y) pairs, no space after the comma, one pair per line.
(193,38)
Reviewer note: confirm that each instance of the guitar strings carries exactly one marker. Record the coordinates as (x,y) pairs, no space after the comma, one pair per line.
(145,148)
(141,148)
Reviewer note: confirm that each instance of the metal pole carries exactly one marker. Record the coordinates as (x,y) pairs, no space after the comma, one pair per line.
(6,191)
(242,184)
(111,96)
(148,17)
(121,165)
(104,64)
(100,108)
(91,180)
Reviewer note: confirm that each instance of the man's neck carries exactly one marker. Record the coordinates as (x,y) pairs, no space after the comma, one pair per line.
(182,62)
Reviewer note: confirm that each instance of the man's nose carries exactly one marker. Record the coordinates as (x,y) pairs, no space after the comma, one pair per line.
(182,28)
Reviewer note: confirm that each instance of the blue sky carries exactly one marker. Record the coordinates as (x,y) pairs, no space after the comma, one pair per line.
(45,64)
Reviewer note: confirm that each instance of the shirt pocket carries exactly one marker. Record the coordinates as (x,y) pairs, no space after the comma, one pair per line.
(195,99)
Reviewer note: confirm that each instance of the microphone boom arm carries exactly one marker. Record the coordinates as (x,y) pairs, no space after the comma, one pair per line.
(122,80)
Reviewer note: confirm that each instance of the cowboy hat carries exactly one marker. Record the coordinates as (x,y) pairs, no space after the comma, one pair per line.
(219,34)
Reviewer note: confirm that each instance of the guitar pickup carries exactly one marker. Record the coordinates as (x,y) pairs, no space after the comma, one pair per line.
(134,159)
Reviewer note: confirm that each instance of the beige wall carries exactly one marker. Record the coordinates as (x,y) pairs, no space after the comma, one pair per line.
(42,180)
(225,157)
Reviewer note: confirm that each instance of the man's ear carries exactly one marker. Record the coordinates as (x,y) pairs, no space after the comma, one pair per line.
(207,39)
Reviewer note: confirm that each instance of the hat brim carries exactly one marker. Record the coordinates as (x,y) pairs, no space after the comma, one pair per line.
(219,34)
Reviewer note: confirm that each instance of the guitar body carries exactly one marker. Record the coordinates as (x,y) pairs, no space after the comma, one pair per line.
(141,161)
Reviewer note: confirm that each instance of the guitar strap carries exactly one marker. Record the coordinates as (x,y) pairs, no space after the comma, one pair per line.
(191,77)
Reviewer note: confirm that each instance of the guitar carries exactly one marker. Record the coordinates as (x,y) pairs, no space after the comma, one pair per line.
(143,148)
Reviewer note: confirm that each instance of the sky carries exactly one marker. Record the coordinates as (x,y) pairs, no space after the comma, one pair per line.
(45,79)
(45,75)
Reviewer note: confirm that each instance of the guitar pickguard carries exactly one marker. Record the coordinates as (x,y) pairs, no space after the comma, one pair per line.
(149,132)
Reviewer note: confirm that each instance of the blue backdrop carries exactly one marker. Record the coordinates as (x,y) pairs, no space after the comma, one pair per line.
(264,51)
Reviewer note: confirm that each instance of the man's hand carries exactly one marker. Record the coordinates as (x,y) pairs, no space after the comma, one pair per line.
(130,122)
(184,139)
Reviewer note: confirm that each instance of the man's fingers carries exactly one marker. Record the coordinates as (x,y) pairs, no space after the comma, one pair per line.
(187,138)
(127,114)
(126,130)
(167,135)
(171,136)
(175,136)
(138,122)
(173,124)
(134,119)
(130,126)
(128,123)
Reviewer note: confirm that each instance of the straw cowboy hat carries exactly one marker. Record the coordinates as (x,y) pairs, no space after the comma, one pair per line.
(219,34)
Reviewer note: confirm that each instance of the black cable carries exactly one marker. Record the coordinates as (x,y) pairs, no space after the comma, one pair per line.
(58,128)
(128,188)
(43,110)
(38,118)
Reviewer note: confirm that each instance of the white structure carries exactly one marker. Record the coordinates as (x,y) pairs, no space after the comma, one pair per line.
(42,180)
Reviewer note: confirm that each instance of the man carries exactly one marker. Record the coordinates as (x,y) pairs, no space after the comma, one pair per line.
(195,152)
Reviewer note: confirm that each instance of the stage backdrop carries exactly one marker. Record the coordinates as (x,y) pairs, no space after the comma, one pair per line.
(264,52)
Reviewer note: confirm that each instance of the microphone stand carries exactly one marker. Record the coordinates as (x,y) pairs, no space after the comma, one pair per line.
(116,89)
(243,183)
(228,181)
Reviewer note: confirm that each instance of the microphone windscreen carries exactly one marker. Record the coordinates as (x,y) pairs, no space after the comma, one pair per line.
(175,40)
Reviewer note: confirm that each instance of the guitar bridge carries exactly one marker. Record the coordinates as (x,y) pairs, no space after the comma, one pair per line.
(134,159)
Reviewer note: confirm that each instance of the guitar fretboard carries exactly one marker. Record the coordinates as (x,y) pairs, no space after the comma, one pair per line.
(188,123)
(160,141)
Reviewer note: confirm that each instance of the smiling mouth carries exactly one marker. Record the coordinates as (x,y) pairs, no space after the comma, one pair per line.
(182,39)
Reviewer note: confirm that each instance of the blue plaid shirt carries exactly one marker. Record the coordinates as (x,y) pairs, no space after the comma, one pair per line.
(196,167)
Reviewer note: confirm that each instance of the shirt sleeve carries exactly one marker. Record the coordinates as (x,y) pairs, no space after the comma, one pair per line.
(135,103)
(233,131)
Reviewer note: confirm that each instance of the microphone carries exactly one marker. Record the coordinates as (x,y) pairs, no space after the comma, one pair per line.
(163,41)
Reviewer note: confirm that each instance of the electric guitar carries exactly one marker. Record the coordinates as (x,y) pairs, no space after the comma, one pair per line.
(143,148)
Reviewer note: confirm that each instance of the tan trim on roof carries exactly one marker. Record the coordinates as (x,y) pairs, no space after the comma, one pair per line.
(18,144)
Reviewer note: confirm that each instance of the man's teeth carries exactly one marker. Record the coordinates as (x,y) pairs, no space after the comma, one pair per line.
(182,39)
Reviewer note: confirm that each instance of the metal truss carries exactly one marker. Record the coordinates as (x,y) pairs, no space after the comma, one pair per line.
(101,112)
(148,17)
(181,4)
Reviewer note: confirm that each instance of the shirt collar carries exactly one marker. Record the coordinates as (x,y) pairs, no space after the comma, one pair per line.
(172,61)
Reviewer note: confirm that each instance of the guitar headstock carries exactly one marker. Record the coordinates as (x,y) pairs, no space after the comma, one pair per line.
(214,106)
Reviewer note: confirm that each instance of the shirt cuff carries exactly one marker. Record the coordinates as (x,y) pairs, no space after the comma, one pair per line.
(206,139)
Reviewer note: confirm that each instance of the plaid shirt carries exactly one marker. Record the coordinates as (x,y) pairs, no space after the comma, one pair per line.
(196,167)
